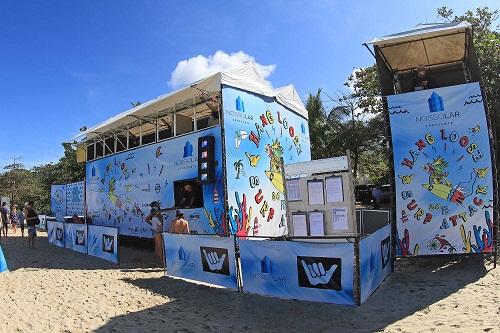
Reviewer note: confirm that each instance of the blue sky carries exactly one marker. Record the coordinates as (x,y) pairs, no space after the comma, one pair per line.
(65,64)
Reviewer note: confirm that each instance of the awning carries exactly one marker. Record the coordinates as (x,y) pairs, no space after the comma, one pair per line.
(428,44)
(245,77)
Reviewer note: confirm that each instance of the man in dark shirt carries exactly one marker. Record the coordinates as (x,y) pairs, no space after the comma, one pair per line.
(5,218)
(423,80)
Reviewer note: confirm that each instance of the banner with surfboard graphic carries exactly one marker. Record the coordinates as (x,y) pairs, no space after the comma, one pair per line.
(258,132)
(442,165)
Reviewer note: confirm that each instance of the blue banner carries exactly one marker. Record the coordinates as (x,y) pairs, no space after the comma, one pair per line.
(103,242)
(121,187)
(3,263)
(442,163)
(298,270)
(75,199)
(202,258)
(55,233)
(258,133)
(375,253)
(76,237)
(58,201)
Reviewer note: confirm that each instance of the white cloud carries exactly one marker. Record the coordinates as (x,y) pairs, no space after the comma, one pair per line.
(196,68)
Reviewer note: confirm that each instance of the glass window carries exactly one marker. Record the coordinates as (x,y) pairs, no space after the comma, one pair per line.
(90,152)
(184,121)
(134,135)
(121,142)
(188,194)
(148,132)
(109,146)
(99,149)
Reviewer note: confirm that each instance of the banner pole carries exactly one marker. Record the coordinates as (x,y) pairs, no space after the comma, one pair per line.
(239,280)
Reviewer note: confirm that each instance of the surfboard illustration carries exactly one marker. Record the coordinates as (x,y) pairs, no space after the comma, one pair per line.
(276,179)
(274,174)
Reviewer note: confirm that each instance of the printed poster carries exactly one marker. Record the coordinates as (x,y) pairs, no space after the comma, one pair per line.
(442,163)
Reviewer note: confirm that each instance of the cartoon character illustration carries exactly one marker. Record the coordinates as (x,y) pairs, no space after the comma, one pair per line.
(406,179)
(253,159)
(275,152)
(440,244)
(481,173)
(439,185)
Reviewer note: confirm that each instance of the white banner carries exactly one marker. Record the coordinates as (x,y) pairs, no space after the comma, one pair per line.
(76,237)
(299,270)
(55,232)
(203,258)
(103,242)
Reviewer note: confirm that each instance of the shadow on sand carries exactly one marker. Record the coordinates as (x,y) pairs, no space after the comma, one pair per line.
(416,284)
(49,256)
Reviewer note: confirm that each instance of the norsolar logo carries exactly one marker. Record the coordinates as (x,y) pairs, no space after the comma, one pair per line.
(437,116)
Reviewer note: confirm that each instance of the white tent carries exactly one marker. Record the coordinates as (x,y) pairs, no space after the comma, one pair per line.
(245,77)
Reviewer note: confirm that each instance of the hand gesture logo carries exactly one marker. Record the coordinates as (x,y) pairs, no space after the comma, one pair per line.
(108,243)
(59,234)
(316,273)
(319,272)
(215,260)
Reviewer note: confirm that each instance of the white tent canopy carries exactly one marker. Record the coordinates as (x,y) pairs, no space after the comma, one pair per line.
(428,44)
(245,77)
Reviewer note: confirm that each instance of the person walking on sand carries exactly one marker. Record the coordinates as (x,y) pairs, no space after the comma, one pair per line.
(31,221)
(20,219)
(14,221)
(5,218)
(179,225)
(155,219)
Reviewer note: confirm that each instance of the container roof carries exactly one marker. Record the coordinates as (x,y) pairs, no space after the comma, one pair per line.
(427,44)
(245,77)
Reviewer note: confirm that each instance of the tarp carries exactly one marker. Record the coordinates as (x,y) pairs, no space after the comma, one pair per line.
(3,263)
(442,163)
(202,258)
(102,242)
(75,237)
(245,77)
(298,270)
(428,44)
(58,201)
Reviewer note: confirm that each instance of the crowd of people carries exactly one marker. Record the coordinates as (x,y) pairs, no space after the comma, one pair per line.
(11,216)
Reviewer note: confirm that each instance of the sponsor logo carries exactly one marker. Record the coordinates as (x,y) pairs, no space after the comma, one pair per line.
(267,273)
(80,237)
(59,234)
(385,250)
(319,272)
(240,105)
(438,116)
(241,115)
(215,260)
(108,243)
(188,150)
(183,257)
(436,103)
(58,196)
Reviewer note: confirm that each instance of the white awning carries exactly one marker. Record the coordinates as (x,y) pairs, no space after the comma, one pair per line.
(428,44)
(245,77)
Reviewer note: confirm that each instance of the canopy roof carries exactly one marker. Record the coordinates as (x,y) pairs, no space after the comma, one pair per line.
(428,44)
(245,77)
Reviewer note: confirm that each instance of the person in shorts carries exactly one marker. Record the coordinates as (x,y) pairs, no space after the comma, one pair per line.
(5,218)
(31,218)
(155,219)
(20,219)
(14,221)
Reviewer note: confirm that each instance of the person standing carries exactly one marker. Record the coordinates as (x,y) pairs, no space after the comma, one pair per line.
(179,225)
(5,218)
(377,196)
(14,221)
(20,219)
(31,219)
(155,219)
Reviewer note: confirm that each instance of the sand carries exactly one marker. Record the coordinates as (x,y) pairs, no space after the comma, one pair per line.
(56,290)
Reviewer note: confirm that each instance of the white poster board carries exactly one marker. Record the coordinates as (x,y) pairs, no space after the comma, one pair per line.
(316,223)
(334,189)
(315,192)
(339,219)
(299,224)
(293,190)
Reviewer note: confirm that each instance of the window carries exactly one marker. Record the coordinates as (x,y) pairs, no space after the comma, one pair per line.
(165,127)
(134,134)
(121,142)
(109,147)
(148,132)
(188,194)
(90,152)
(99,149)
(184,121)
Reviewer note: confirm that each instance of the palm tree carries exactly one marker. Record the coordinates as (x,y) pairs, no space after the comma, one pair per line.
(238,166)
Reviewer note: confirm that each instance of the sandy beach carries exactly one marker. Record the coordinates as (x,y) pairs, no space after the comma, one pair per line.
(56,290)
